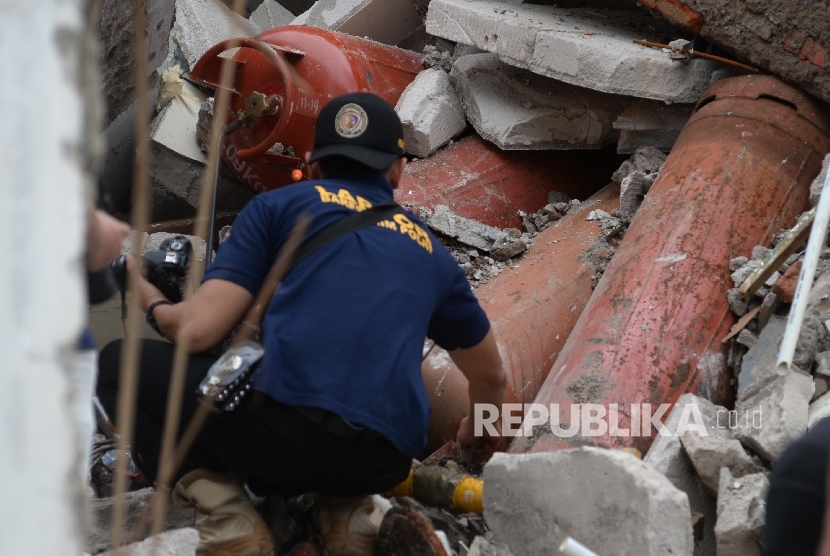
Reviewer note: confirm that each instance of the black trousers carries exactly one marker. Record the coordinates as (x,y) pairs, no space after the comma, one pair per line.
(277,449)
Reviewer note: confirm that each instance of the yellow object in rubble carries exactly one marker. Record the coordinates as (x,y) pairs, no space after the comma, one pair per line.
(444,488)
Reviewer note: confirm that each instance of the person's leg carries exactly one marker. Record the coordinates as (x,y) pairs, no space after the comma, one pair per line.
(156,359)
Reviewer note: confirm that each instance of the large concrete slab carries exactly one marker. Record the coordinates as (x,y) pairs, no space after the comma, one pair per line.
(786,37)
(582,47)
(178,164)
(610,501)
(116,53)
(200,24)
(741,513)
(384,21)
(651,124)
(517,109)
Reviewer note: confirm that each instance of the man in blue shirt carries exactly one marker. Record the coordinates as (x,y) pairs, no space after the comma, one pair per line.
(345,408)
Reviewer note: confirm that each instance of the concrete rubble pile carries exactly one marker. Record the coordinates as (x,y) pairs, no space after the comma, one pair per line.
(532,77)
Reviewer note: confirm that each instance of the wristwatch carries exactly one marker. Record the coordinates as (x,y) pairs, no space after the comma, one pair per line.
(151,320)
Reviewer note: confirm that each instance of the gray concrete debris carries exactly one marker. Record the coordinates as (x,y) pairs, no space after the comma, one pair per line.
(517,109)
(736,302)
(181,542)
(822,368)
(365,18)
(772,413)
(818,410)
(204,125)
(270,14)
(740,275)
(178,164)
(99,533)
(431,113)
(647,160)
(769,306)
(814,337)
(577,46)
(759,253)
(759,363)
(200,24)
(116,50)
(437,58)
(633,189)
(821,389)
(737,263)
(667,456)
(469,232)
(534,501)
(818,183)
(711,452)
(747,339)
(651,124)
(741,513)
(483,547)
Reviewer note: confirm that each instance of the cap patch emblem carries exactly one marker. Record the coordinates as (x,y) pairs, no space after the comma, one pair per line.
(351,121)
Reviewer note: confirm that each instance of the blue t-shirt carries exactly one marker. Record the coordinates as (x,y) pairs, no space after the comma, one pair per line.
(345,330)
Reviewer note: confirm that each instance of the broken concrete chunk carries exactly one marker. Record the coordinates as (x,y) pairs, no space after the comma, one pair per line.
(651,516)
(178,164)
(633,189)
(200,24)
(736,302)
(204,125)
(818,183)
(740,275)
(269,15)
(647,160)
(823,364)
(737,263)
(741,513)
(116,49)
(597,215)
(772,413)
(651,124)
(437,58)
(99,534)
(709,453)
(483,547)
(667,456)
(371,19)
(759,253)
(508,249)
(517,109)
(768,308)
(431,113)
(181,542)
(814,337)
(469,232)
(818,410)
(747,339)
(542,39)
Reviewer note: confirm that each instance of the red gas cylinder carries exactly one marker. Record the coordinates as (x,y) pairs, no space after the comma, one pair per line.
(739,172)
(300,68)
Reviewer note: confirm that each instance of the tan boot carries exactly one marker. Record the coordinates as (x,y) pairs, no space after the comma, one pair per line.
(349,525)
(228,523)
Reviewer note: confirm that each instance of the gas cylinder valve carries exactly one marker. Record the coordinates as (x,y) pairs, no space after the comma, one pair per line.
(258,104)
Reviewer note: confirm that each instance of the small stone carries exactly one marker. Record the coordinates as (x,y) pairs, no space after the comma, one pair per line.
(747,339)
(737,263)
(597,215)
(736,302)
(555,197)
(784,288)
(823,364)
(759,253)
(740,275)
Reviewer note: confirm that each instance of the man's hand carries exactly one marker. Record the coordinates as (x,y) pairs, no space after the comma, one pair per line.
(481,365)
(105,235)
(479,449)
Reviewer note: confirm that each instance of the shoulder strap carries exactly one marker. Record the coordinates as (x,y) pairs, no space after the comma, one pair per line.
(356,221)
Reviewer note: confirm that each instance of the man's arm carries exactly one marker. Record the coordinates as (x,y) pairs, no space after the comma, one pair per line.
(214,309)
(482,366)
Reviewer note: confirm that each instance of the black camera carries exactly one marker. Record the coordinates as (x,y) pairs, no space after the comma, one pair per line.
(165,268)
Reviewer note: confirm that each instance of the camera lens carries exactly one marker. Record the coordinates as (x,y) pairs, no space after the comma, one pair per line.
(176,245)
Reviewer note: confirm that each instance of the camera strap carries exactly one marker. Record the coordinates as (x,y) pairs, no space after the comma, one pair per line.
(351,223)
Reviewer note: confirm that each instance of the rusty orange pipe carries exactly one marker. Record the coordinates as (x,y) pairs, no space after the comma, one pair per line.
(532,309)
(478,180)
(739,172)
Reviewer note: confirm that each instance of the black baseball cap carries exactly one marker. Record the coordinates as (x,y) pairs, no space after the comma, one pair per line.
(360,126)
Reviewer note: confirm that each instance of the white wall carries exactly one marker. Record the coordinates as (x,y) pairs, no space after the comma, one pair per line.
(42,184)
